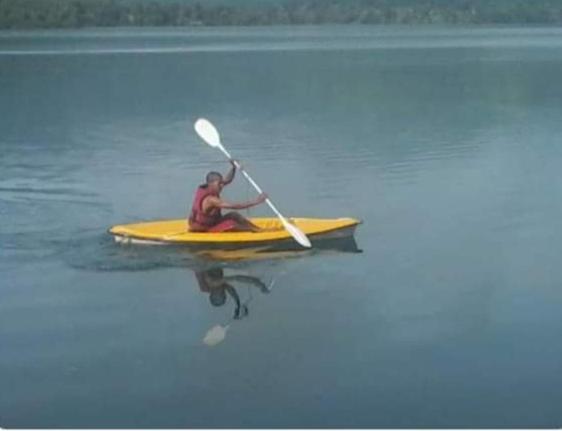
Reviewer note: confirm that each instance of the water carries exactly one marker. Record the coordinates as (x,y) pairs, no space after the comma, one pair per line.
(445,142)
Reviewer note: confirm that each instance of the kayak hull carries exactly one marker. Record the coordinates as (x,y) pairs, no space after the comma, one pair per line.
(175,232)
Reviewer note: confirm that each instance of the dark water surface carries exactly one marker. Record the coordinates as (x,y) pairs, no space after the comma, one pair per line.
(446,142)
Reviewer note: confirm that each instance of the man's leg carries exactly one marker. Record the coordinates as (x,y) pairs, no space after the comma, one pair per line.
(242,223)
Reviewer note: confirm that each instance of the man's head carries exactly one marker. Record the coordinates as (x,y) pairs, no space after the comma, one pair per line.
(214,181)
(217,297)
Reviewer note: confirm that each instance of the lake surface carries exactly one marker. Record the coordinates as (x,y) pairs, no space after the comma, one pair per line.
(445,142)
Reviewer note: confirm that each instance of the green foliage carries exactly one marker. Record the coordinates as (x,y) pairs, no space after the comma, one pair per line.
(90,13)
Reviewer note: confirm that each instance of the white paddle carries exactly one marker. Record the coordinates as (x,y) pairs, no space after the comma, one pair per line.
(210,135)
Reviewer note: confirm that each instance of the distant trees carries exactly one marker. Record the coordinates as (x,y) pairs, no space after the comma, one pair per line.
(99,13)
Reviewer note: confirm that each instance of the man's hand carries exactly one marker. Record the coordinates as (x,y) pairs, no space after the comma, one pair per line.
(235,163)
(261,198)
(240,312)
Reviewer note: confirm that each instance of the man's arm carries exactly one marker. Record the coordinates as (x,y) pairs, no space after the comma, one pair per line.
(232,292)
(254,281)
(215,202)
(230,176)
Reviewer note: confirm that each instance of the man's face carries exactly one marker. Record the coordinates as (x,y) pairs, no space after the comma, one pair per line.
(216,185)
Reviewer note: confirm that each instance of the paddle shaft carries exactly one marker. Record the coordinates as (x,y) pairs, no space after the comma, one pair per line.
(254,184)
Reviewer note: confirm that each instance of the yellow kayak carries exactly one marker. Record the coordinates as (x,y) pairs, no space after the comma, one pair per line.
(176,232)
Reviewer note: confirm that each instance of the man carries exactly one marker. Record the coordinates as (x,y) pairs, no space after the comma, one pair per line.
(206,211)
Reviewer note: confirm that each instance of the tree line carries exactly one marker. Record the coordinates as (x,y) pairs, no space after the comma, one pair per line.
(22,14)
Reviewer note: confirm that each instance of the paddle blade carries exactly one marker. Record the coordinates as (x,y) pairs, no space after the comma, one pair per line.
(208,132)
(215,335)
(297,234)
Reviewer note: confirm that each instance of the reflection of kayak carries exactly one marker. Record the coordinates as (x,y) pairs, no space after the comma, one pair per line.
(280,251)
(252,253)
(175,232)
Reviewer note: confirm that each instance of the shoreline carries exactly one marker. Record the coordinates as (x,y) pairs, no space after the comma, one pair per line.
(296,27)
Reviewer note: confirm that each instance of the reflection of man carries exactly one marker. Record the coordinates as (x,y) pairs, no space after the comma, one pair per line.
(215,283)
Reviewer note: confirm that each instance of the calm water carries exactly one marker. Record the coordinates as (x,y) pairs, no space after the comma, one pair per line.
(446,142)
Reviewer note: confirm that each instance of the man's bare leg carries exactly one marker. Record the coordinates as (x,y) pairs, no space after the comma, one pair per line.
(242,223)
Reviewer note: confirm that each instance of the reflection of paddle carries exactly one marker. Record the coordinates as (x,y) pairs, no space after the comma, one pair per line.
(217,333)
(210,135)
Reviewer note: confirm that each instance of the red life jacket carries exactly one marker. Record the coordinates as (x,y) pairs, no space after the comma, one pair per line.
(198,219)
